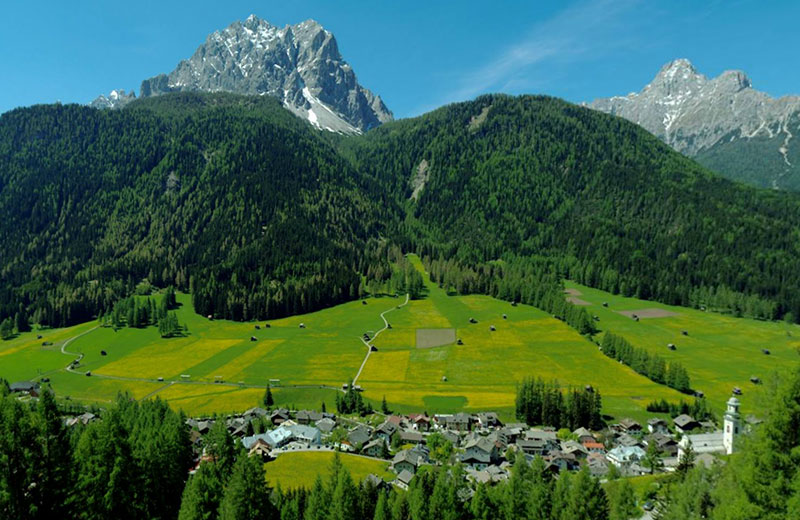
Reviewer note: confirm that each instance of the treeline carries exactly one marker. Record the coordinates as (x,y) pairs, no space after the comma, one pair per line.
(131,464)
(143,311)
(652,366)
(441,493)
(395,275)
(532,281)
(546,404)
(697,409)
(724,299)
(351,402)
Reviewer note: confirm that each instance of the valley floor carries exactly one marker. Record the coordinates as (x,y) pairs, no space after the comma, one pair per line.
(218,368)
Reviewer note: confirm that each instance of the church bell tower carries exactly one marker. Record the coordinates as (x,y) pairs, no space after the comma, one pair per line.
(732,426)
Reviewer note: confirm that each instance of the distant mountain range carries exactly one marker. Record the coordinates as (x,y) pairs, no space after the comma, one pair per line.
(299,65)
(723,122)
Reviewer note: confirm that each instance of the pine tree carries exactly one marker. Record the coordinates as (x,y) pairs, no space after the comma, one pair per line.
(652,458)
(382,511)
(384,407)
(268,399)
(247,494)
(54,467)
(6,329)
(686,460)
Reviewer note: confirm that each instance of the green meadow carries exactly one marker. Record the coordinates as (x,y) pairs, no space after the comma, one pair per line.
(300,470)
(719,351)
(308,365)
(483,372)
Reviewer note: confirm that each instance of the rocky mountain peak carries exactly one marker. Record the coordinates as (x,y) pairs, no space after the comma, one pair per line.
(117,98)
(676,78)
(733,81)
(694,114)
(299,64)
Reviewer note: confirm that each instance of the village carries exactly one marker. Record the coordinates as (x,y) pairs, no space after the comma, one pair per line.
(485,446)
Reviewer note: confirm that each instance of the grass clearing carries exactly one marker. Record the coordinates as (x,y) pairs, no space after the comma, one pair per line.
(300,470)
(429,338)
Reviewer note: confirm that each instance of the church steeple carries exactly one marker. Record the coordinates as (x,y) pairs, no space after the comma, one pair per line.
(732,426)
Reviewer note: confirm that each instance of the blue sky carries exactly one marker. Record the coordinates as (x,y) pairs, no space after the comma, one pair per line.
(416,55)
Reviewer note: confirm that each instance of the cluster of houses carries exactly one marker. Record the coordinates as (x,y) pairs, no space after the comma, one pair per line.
(481,442)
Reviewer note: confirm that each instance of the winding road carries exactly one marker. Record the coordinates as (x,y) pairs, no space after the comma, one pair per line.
(366,343)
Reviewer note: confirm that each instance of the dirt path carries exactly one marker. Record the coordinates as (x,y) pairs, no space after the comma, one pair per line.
(366,343)
(78,354)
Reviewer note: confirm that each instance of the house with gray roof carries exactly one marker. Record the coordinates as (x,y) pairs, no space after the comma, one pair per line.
(685,423)
(326,425)
(480,453)
(359,435)
(403,479)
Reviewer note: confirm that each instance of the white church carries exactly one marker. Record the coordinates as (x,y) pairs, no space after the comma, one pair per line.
(721,441)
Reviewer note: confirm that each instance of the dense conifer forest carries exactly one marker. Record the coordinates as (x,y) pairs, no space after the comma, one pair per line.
(258,216)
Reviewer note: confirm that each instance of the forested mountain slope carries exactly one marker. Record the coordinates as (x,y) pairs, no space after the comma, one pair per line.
(231,197)
(610,204)
(243,204)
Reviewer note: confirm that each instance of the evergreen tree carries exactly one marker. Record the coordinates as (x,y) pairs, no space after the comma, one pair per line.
(6,329)
(382,510)
(652,458)
(247,494)
(54,468)
(268,400)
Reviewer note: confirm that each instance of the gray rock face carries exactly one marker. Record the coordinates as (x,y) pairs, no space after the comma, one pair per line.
(115,99)
(718,121)
(300,65)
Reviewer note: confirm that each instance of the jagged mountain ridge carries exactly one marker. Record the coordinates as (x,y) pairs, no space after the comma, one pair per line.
(723,122)
(117,98)
(300,64)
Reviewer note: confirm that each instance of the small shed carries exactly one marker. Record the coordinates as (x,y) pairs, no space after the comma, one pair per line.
(605,304)
(755,380)
(459,342)
(505,317)
(210,317)
(258,327)
(363,302)
(103,353)
(444,379)
(302,325)
(253,338)
(491,328)
(373,348)
(388,325)
(765,351)
(513,304)
(473,320)
(737,390)
(671,346)
(685,332)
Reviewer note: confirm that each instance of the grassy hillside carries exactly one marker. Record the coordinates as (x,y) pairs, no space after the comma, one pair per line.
(720,351)
(312,362)
(483,373)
